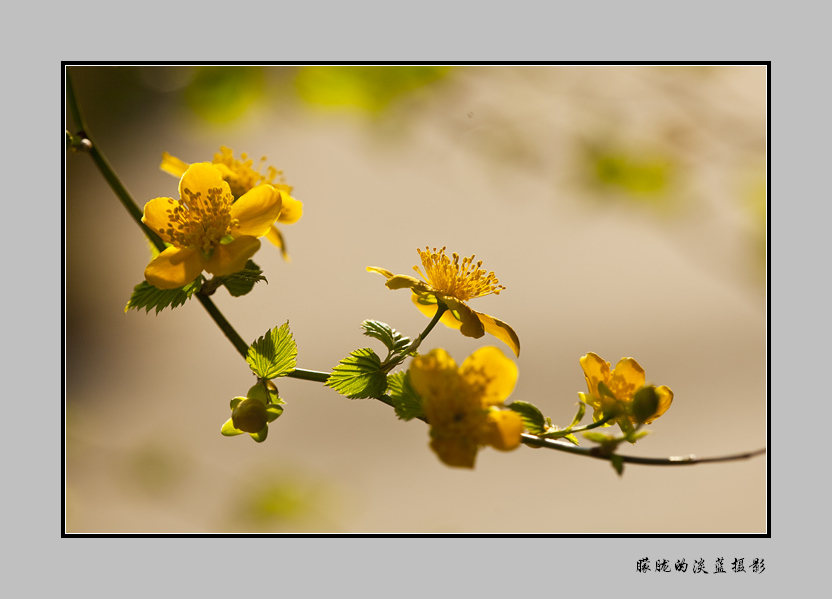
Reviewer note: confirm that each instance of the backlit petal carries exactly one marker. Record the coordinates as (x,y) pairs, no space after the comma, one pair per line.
(470,324)
(501,331)
(276,237)
(665,399)
(382,271)
(200,177)
(433,374)
(489,375)
(458,452)
(174,268)
(595,370)
(157,215)
(626,379)
(427,305)
(504,430)
(232,257)
(292,209)
(257,210)
(403,282)
(173,165)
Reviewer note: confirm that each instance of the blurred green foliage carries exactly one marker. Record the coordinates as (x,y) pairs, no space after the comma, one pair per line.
(365,88)
(644,178)
(221,93)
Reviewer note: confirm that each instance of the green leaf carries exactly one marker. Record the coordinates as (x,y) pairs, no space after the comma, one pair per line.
(618,463)
(532,418)
(147,296)
(260,435)
(580,415)
(571,438)
(241,283)
(390,337)
(228,429)
(359,375)
(274,354)
(273,412)
(406,402)
(598,437)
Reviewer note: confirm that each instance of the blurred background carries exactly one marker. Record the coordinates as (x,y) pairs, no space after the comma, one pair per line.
(623,207)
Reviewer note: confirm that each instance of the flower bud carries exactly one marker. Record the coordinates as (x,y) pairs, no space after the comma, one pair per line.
(250,416)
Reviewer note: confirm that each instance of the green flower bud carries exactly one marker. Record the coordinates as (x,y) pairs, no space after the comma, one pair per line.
(645,403)
(259,393)
(250,416)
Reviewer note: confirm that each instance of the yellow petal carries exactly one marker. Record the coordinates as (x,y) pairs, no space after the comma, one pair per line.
(232,257)
(382,271)
(501,331)
(403,282)
(626,379)
(665,399)
(200,177)
(470,323)
(457,452)
(257,210)
(427,305)
(157,215)
(292,209)
(174,268)
(276,237)
(172,165)
(490,375)
(595,370)
(504,429)
(433,374)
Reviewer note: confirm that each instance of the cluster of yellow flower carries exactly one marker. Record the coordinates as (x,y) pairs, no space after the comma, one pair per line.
(223,207)
(226,205)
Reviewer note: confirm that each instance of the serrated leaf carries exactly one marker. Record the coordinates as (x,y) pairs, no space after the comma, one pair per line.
(390,337)
(147,296)
(532,417)
(406,402)
(274,354)
(241,283)
(359,375)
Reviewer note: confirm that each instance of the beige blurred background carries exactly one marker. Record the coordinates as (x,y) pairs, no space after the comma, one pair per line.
(623,207)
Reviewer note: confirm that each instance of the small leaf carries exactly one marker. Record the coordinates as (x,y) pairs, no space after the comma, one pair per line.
(390,337)
(406,402)
(228,429)
(571,438)
(597,437)
(274,354)
(241,283)
(580,415)
(618,463)
(273,412)
(532,418)
(359,375)
(147,296)
(261,435)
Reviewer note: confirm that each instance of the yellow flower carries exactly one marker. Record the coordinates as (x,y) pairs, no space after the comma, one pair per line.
(207,229)
(453,283)
(462,405)
(611,392)
(241,178)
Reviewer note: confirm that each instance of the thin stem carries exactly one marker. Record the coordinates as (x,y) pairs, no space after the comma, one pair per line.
(440,310)
(309,375)
(105,169)
(225,326)
(596,452)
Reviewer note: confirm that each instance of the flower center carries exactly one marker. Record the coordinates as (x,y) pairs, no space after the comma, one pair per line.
(200,222)
(243,176)
(462,281)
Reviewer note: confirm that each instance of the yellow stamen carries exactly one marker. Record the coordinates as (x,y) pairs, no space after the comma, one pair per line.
(200,222)
(462,281)
(243,176)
